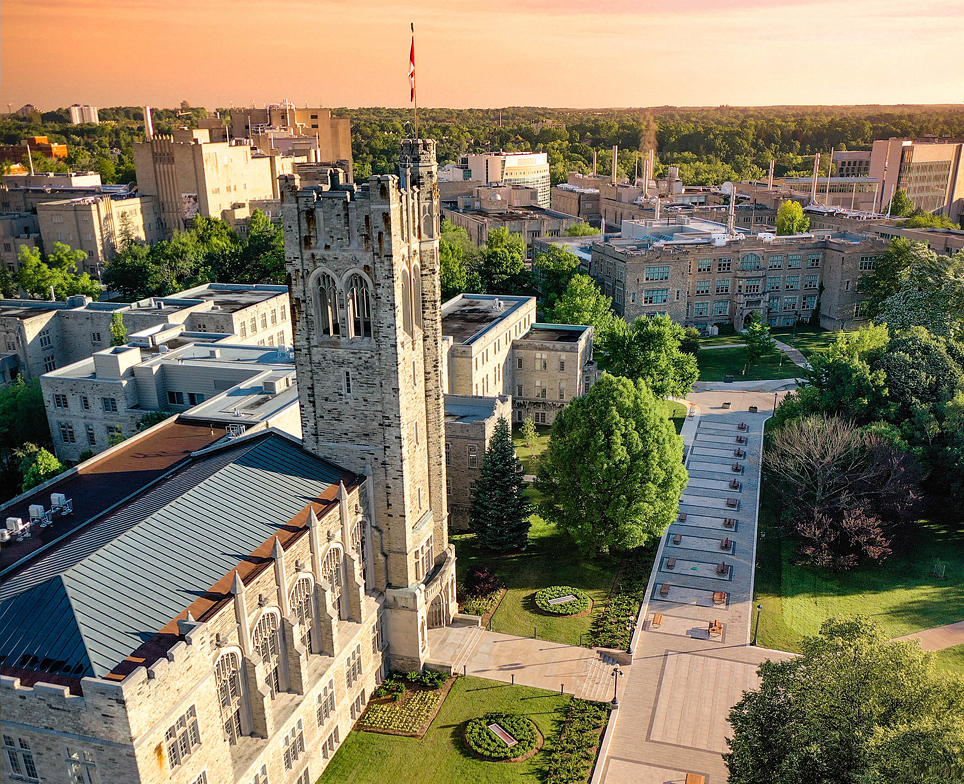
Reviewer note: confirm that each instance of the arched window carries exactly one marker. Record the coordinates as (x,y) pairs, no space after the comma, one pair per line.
(417,295)
(406,301)
(333,572)
(303,607)
(360,307)
(751,257)
(267,644)
(228,675)
(328,305)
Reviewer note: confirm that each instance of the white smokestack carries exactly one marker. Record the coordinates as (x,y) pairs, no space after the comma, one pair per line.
(615,154)
(770,175)
(813,183)
(148,123)
(731,216)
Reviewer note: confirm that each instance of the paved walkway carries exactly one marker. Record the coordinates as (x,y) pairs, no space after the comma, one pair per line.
(796,356)
(682,683)
(938,638)
(585,672)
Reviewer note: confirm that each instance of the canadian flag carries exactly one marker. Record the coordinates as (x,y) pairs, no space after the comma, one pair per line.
(411,64)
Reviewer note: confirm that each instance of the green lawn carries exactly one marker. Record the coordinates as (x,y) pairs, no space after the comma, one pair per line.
(902,594)
(550,559)
(951,659)
(714,365)
(529,455)
(720,340)
(676,412)
(439,758)
(807,339)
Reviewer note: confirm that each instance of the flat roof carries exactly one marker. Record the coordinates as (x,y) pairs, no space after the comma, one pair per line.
(98,484)
(468,316)
(25,309)
(555,333)
(467,409)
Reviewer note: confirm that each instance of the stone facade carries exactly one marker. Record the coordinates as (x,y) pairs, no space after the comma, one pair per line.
(250,710)
(552,364)
(724,279)
(363,266)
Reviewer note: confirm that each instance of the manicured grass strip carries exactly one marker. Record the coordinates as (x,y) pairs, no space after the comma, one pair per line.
(714,365)
(550,559)
(902,594)
(951,659)
(807,339)
(439,757)
(720,340)
(529,455)
(676,412)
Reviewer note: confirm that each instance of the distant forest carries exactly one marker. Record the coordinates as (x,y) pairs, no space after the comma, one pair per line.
(709,145)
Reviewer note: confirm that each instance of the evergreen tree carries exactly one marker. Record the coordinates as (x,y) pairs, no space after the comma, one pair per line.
(500,513)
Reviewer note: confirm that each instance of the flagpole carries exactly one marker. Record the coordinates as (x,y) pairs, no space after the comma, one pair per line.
(414,91)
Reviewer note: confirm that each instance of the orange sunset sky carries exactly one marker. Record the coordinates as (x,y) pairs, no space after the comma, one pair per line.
(577,53)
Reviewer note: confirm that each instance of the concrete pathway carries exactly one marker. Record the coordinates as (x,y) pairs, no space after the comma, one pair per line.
(584,672)
(938,638)
(683,682)
(725,345)
(796,356)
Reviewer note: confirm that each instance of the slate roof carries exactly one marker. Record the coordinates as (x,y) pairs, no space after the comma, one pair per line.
(83,609)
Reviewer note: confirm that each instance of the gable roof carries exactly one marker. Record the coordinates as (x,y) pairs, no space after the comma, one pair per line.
(86,607)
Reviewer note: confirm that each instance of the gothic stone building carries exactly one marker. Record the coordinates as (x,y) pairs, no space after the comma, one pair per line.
(218,611)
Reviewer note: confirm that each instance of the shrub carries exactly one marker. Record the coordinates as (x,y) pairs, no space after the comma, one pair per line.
(613,628)
(480,739)
(481,581)
(573,756)
(578,605)
(428,678)
(389,688)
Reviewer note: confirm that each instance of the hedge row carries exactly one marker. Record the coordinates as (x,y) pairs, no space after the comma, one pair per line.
(613,628)
(485,743)
(573,755)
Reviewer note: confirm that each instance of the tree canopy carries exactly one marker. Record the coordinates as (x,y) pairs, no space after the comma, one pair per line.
(790,218)
(900,204)
(500,513)
(553,269)
(930,294)
(583,303)
(36,276)
(613,473)
(852,708)
(649,349)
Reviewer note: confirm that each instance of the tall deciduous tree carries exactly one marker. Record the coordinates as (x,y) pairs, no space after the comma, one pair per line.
(118,332)
(790,218)
(554,268)
(930,295)
(757,341)
(900,204)
(500,513)
(37,277)
(37,467)
(884,280)
(583,303)
(852,708)
(613,473)
(649,349)
(581,230)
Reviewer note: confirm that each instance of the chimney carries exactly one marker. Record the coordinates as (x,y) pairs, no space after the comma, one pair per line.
(148,123)
(615,155)
(731,216)
(770,175)
(658,204)
(813,182)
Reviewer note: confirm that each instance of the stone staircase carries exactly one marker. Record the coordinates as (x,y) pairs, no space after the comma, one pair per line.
(599,680)
(472,638)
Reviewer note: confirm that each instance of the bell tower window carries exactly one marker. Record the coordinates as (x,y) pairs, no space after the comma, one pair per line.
(360,307)
(328,305)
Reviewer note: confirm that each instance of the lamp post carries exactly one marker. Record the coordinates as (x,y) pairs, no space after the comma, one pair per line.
(756,631)
(774,402)
(617,674)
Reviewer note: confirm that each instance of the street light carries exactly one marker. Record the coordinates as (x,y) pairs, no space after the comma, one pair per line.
(774,402)
(756,631)
(617,674)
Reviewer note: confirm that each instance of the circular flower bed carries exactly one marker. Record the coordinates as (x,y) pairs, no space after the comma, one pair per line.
(486,744)
(573,607)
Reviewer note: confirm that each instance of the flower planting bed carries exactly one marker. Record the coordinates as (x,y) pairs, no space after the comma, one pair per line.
(614,627)
(563,600)
(484,605)
(501,737)
(573,756)
(406,705)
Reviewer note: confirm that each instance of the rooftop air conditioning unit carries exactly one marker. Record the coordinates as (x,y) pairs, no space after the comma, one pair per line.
(58,499)
(163,349)
(271,386)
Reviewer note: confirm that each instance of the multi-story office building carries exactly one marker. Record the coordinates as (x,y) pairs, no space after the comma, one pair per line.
(851,163)
(83,114)
(94,403)
(96,222)
(223,608)
(191,176)
(579,196)
(15,153)
(23,192)
(37,337)
(530,169)
(700,275)
(930,171)
(503,206)
(17,229)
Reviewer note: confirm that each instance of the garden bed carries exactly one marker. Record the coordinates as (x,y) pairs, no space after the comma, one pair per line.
(574,755)
(483,744)
(408,712)
(488,605)
(613,628)
(562,601)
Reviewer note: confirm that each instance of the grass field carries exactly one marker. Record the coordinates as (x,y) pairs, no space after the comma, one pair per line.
(676,412)
(529,455)
(807,339)
(951,659)
(902,594)
(720,340)
(716,364)
(550,559)
(439,758)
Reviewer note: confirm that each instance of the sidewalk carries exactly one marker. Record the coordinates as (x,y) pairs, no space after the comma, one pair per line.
(795,355)
(938,638)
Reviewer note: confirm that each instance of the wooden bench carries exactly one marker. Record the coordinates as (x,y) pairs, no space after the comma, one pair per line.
(695,778)
(725,543)
(735,484)
(664,590)
(657,621)
(737,468)
(682,517)
(733,503)
(741,439)
(670,563)
(677,538)
(722,569)
(729,522)
(754,409)
(720,597)
(716,629)
(742,426)
(739,453)
(727,404)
